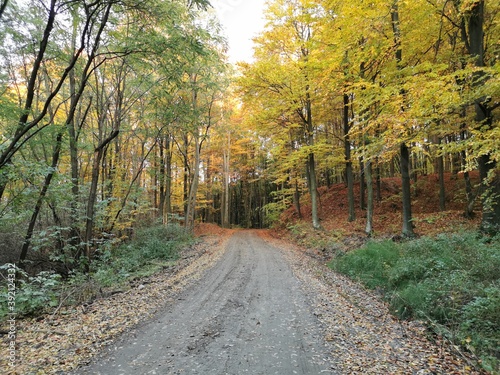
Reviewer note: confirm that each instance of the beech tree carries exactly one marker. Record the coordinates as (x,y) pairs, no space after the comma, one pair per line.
(283,72)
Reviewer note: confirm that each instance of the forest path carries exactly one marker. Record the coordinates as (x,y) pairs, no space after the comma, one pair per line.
(267,307)
(247,314)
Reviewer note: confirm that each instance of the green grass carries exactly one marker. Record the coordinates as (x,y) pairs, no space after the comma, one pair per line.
(451,281)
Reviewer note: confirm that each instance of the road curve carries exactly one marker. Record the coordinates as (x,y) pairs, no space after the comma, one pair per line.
(247,315)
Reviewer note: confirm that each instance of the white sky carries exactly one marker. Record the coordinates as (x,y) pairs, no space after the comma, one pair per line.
(242,20)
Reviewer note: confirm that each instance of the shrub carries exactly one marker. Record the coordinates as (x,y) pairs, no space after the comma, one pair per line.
(451,281)
(34,294)
(369,264)
(143,255)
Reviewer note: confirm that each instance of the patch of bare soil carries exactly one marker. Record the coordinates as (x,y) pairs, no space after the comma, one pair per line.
(365,338)
(55,344)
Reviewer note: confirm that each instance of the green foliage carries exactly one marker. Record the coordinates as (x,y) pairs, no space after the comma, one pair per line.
(151,249)
(451,281)
(273,212)
(34,294)
(370,264)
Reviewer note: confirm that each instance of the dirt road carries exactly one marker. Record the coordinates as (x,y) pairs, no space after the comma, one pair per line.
(247,315)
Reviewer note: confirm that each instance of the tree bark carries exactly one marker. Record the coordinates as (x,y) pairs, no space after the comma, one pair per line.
(490,180)
(3,6)
(369,198)
(362,184)
(41,197)
(348,165)
(442,189)
(406,190)
(404,151)
(193,189)
(90,212)
(225,193)
(296,197)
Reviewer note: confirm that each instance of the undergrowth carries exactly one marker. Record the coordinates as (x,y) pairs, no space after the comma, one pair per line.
(149,251)
(451,281)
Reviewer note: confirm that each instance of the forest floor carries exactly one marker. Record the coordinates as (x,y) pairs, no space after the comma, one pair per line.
(239,302)
(341,234)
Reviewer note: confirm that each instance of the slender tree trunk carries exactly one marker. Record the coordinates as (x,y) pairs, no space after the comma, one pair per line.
(469,208)
(348,165)
(90,212)
(41,197)
(311,164)
(406,189)
(193,190)
(225,194)
(404,151)
(362,185)
(442,190)
(369,200)
(296,197)
(313,190)
(161,177)
(168,176)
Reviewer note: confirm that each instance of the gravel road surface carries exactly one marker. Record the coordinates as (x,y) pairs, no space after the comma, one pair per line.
(248,314)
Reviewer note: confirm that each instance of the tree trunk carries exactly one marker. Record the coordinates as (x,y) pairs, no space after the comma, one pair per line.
(311,164)
(186,177)
(369,200)
(2,7)
(490,180)
(90,212)
(225,219)
(41,197)
(406,189)
(442,189)
(168,176)
(348,164)
(193,190)
(362,186)
(162,177)
(313,190)
(404,151)
(296,198)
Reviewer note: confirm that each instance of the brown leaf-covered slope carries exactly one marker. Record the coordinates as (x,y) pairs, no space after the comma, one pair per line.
(387,222)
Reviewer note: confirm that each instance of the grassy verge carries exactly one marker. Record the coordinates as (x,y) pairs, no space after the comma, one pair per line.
(151,250)
(451,281)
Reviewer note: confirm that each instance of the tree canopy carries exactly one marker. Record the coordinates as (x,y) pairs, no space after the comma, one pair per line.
(117,113)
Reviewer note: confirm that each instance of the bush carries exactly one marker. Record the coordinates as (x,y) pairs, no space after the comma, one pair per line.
(34,294)
(150,249)
(370,264)
(451,281)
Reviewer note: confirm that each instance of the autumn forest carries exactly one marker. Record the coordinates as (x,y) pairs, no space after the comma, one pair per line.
(119,113)
(124,128)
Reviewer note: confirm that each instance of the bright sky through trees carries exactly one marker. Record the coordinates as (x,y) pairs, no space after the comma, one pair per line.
(242,20)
